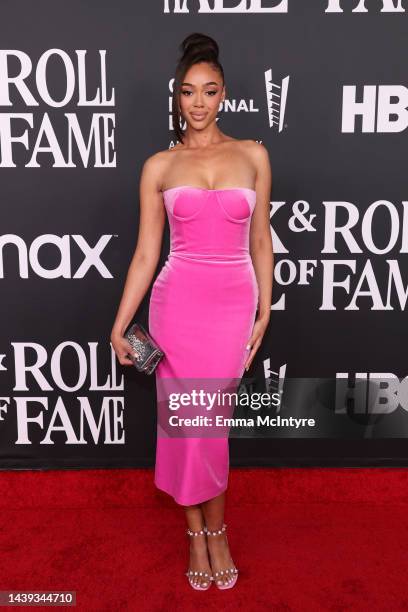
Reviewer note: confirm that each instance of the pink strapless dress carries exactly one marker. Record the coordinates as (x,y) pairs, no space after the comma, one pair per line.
(202,310)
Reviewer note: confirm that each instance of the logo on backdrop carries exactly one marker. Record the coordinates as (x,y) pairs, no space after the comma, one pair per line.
(276,96)
(33,137)
(370,393)
(375,106)
(274,379)
(67,247)
(355,279)
(388,6)
(281,6)
(218,6)
(89,411)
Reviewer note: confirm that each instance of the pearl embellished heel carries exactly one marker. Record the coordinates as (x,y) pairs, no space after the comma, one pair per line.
(190,573)
(232,571)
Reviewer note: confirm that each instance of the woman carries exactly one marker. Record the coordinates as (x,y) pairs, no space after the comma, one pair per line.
(215,190)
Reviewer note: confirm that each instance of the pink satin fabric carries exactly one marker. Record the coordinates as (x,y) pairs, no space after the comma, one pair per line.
(202,310)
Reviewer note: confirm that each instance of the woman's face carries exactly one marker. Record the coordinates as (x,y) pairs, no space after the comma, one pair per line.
(201,93)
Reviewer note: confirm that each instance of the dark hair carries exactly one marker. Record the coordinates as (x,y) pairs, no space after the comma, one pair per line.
(195,48)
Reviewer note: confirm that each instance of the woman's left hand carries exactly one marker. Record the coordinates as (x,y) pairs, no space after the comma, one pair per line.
(255,340)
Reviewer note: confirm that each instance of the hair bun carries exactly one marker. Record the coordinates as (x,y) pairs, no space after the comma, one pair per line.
(197,43)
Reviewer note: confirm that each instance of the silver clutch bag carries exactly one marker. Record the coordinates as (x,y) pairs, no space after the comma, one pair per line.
(147,353)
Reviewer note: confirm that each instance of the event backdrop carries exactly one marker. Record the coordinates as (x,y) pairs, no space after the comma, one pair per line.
(85,98)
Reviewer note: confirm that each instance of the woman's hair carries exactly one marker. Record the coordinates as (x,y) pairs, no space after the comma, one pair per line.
(195,48)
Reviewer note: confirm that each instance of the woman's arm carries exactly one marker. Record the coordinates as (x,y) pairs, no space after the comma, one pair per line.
(260,235)
(146,256)
(261,247)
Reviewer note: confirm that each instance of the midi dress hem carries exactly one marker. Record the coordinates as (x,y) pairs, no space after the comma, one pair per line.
(203,496)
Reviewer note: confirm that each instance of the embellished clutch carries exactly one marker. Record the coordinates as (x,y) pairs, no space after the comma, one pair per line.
(147,353)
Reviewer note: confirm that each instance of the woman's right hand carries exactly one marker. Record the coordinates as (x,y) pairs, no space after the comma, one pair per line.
(121,347)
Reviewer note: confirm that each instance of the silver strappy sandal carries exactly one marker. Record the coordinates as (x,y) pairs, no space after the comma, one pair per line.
(232,571)
(190,573)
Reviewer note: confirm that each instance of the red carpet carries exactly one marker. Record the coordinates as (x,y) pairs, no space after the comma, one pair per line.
(303,539)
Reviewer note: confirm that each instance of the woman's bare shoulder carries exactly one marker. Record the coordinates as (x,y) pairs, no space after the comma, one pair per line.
(157,161)
(250,147)
(252,144)
(257,150)
(253,151)
(156,166)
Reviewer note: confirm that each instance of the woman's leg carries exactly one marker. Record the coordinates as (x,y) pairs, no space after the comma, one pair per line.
(199,560)
(220,557)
